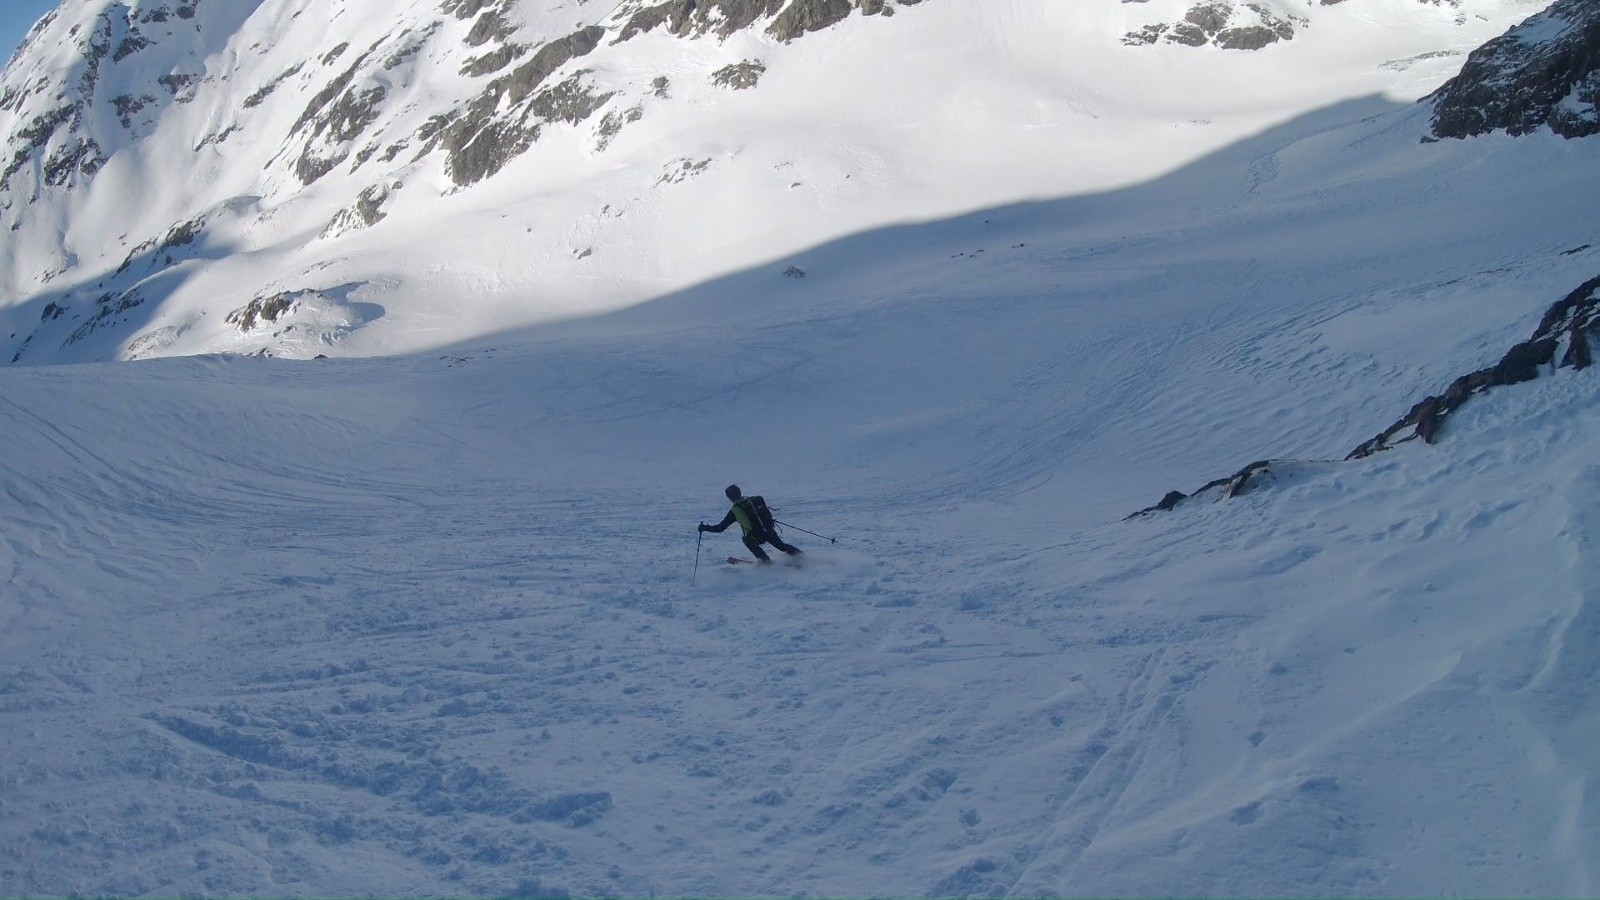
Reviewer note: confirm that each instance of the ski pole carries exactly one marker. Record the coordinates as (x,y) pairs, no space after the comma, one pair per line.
(696,579)
(812,533)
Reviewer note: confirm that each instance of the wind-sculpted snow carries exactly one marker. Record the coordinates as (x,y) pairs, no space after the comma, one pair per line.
(439,623)
(1561,341)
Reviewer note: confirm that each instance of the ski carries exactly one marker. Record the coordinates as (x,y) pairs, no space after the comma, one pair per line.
(741,561)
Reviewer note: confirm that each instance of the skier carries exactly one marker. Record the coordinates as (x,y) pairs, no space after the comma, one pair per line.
(755,520)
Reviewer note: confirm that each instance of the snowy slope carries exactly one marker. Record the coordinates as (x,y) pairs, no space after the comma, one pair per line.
(431,624)
(364,177)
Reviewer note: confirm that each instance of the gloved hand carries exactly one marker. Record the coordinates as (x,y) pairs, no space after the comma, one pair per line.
(704,527)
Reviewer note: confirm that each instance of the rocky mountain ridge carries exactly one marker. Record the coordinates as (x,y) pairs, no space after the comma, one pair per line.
(1544,73)
(324,120)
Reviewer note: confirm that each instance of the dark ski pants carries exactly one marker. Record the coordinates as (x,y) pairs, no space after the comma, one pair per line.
(754,541)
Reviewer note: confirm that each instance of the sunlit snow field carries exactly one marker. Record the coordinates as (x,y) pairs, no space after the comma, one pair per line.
(433,624)
(946,107)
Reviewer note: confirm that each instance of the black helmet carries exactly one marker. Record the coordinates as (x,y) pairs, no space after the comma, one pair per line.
(732,492)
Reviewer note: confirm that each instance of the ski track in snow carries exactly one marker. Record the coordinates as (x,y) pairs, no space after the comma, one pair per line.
(348,673)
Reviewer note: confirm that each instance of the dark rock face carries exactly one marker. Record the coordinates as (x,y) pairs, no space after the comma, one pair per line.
(261,311)
(368,210)
(481,141)
(336,115)
(1170,501)
(1253,37)
(128,105)
(803,16)
(178,85)
(1572,323)
(1545,71)
(161,253)
(465,9)
(526,78)
(261,95)
(1209,18)
(491,26)
(791,19)
(80,155)
(572,101)
(739,76)
(494,60)
(31,139)
(475,153)
(108,309)
(695,18)
(613,123)
(130,45)
(1240,482)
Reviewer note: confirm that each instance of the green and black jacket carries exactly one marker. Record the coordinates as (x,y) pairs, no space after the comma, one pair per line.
(743,512)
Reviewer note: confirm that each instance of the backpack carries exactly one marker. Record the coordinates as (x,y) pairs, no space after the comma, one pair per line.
(758,505)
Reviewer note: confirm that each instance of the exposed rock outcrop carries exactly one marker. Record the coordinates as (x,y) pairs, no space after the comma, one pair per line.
(1571,323)
(1544,72)
(296,323)
(739,76)
(803,16)
(1247,26)
(368,210)
(791,19)
(108,310)
(695,18)
(263,310)
(1562,340)
(480,141)
(612,124)
(156,53)
(160,253)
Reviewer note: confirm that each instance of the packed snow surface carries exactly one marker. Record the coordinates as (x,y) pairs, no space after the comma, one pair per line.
(435,624)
